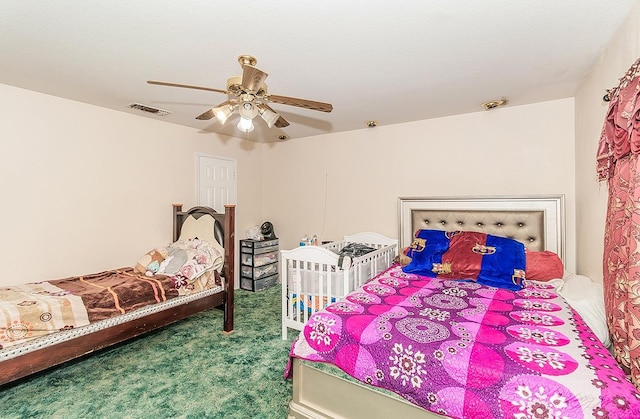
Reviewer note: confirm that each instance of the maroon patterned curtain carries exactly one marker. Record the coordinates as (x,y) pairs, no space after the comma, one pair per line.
(619,164)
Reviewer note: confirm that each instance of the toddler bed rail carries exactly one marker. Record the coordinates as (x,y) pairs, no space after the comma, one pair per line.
(315,276)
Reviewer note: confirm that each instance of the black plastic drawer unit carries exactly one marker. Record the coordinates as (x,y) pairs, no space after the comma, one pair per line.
(258,264)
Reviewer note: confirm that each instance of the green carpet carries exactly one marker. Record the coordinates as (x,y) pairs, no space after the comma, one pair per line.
(186,370)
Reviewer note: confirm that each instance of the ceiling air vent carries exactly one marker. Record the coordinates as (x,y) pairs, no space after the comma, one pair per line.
(145,108)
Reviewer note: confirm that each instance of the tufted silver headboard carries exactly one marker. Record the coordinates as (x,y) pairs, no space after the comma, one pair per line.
(536,221)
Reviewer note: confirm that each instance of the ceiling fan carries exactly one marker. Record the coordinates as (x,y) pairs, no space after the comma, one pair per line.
(248,95)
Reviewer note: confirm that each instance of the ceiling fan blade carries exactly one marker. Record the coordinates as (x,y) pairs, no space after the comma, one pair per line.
(253,78)
(188,86)
(281,123)
(301,103)
(206,115)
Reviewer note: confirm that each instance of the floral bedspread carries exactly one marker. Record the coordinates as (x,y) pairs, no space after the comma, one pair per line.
(466,350)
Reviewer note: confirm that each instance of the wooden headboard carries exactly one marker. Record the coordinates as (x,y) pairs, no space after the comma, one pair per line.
(536,221)
(180,216)
(224,233)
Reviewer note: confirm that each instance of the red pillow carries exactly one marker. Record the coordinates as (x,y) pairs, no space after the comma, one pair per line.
(543,266)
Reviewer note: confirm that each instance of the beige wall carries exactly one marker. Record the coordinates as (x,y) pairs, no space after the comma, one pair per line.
(591,197)
(339,184)
(87,189)
(68,164)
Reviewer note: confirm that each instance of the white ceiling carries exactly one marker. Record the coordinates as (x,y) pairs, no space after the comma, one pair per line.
(392,62)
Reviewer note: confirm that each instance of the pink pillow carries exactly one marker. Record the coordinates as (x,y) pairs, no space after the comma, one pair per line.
(543,266)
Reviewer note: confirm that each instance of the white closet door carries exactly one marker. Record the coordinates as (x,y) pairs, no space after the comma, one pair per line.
(217,182)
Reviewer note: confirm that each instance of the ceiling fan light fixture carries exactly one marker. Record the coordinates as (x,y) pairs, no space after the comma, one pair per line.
(248,110)
(269,116)
(222,112)
(245,124)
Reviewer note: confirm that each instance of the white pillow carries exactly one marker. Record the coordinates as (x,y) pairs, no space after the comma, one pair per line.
(587,298)
(202,228)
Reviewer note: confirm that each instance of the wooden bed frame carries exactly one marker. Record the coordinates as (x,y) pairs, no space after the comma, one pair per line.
(323,391)
(38,360)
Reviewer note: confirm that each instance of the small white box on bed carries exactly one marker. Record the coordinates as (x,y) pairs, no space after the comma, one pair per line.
(313,277)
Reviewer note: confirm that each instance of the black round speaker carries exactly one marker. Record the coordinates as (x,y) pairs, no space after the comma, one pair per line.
(267,231)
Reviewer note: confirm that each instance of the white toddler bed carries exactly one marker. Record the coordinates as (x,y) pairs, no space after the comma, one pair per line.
(313,276)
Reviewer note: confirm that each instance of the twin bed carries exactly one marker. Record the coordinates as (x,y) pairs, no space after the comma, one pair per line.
(48,323)
(410,343)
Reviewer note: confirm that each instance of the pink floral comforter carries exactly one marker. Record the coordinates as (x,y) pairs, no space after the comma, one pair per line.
(465,350)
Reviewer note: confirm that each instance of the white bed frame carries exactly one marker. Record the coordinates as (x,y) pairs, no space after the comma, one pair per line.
(537,221)
(314,272)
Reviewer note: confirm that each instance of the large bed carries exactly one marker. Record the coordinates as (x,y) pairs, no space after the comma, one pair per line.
(464,349)
(79,315)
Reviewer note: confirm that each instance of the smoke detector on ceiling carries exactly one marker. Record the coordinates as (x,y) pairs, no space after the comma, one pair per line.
(150,109)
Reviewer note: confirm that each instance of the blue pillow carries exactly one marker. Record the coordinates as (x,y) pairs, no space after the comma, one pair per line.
(426,251)
(484,258)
